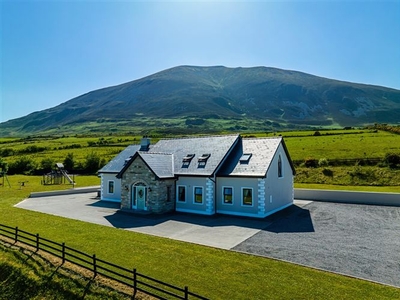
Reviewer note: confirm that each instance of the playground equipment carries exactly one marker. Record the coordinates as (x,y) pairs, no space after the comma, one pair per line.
(3,174)
(57,176)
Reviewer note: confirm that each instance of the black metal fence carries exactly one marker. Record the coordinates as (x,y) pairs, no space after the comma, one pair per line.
(127,277)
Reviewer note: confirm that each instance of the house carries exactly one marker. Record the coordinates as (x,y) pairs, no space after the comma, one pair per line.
(203,175)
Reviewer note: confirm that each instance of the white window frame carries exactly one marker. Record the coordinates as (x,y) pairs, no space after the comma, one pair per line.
(223,195)
(113,187)
(177,193)
(242,198)
(194,195)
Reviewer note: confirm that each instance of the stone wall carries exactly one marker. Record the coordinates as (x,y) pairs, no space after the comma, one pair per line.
(157,198)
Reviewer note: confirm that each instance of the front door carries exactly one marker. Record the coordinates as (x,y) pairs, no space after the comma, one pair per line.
(140,197)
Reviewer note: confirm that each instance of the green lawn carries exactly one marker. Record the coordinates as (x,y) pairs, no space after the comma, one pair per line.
(214,273)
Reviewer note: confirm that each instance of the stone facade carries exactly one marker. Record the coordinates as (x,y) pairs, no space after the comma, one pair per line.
(160,193)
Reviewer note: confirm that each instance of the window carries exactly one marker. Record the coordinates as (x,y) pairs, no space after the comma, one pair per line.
(280,167)
(198,195)
(181,193)
(186,160)
(247,196)
(227,195)
(245,158)
(111,187)
(203,160)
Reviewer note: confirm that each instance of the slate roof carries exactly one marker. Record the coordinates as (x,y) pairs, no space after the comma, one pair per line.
(160,163)
(218,146)
(118,162)
(203,156)
(262,151)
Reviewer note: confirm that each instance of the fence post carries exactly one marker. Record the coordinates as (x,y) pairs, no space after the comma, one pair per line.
(94,265)
(63,253)
(16,234)
(37,241)
(186,293)
(134,281)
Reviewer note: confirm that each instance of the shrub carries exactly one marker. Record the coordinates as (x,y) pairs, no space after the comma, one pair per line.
(310,163)
(23,165)
(317,133)
(392,159)
(323,162)
(327,172)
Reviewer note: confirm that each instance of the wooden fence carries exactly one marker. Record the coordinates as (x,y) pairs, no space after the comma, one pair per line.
(128,277)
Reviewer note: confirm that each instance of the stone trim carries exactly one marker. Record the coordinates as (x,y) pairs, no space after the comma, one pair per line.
(261,196)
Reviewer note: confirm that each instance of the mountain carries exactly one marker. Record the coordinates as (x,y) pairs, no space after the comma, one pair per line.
(195,96)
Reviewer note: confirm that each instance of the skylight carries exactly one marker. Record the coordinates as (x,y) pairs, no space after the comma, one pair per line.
(203,160)
(204,157)
(186,160)
(245,158)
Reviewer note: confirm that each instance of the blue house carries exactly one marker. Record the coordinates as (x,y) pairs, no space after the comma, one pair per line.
(203,175)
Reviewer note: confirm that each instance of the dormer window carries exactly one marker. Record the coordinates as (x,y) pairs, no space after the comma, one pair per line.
(245,158)
(186,160)
(203,160)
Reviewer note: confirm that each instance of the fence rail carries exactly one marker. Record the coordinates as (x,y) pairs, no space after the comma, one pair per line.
(128,277)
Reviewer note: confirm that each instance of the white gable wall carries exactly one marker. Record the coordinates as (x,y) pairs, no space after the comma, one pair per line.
(105,193)
(270,194)
(279,190)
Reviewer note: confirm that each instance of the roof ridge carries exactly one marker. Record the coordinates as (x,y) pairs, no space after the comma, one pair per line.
(160,153)
(199,137)
(263,138)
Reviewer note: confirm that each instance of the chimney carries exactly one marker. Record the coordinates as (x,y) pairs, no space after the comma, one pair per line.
(144,144)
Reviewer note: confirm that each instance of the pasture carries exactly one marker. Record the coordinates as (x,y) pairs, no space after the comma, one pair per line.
(214,273)
(342,152)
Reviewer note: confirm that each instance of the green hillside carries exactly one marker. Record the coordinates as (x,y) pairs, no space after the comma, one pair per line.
(189,99)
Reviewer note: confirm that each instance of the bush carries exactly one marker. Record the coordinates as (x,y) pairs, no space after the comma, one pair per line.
(310,163)
(323,162)
(23,165)
(327,172)
(317,133)
(392,159)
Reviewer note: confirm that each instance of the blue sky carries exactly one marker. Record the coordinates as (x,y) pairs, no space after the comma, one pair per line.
(53,51)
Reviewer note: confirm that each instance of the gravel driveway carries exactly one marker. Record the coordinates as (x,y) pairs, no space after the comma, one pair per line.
(358,240)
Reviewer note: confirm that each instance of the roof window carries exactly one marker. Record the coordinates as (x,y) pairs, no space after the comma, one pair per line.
(245,158)
(203,160)
(186,160)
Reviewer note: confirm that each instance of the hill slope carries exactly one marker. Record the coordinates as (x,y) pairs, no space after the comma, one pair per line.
(265,94)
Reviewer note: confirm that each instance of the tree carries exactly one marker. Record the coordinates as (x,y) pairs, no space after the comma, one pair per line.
(23,165)
(69,161)
(92,162)
(47,164)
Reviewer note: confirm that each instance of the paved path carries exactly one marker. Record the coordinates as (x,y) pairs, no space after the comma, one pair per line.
(217,231)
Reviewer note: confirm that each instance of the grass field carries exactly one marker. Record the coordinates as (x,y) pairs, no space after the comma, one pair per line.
(214,273)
